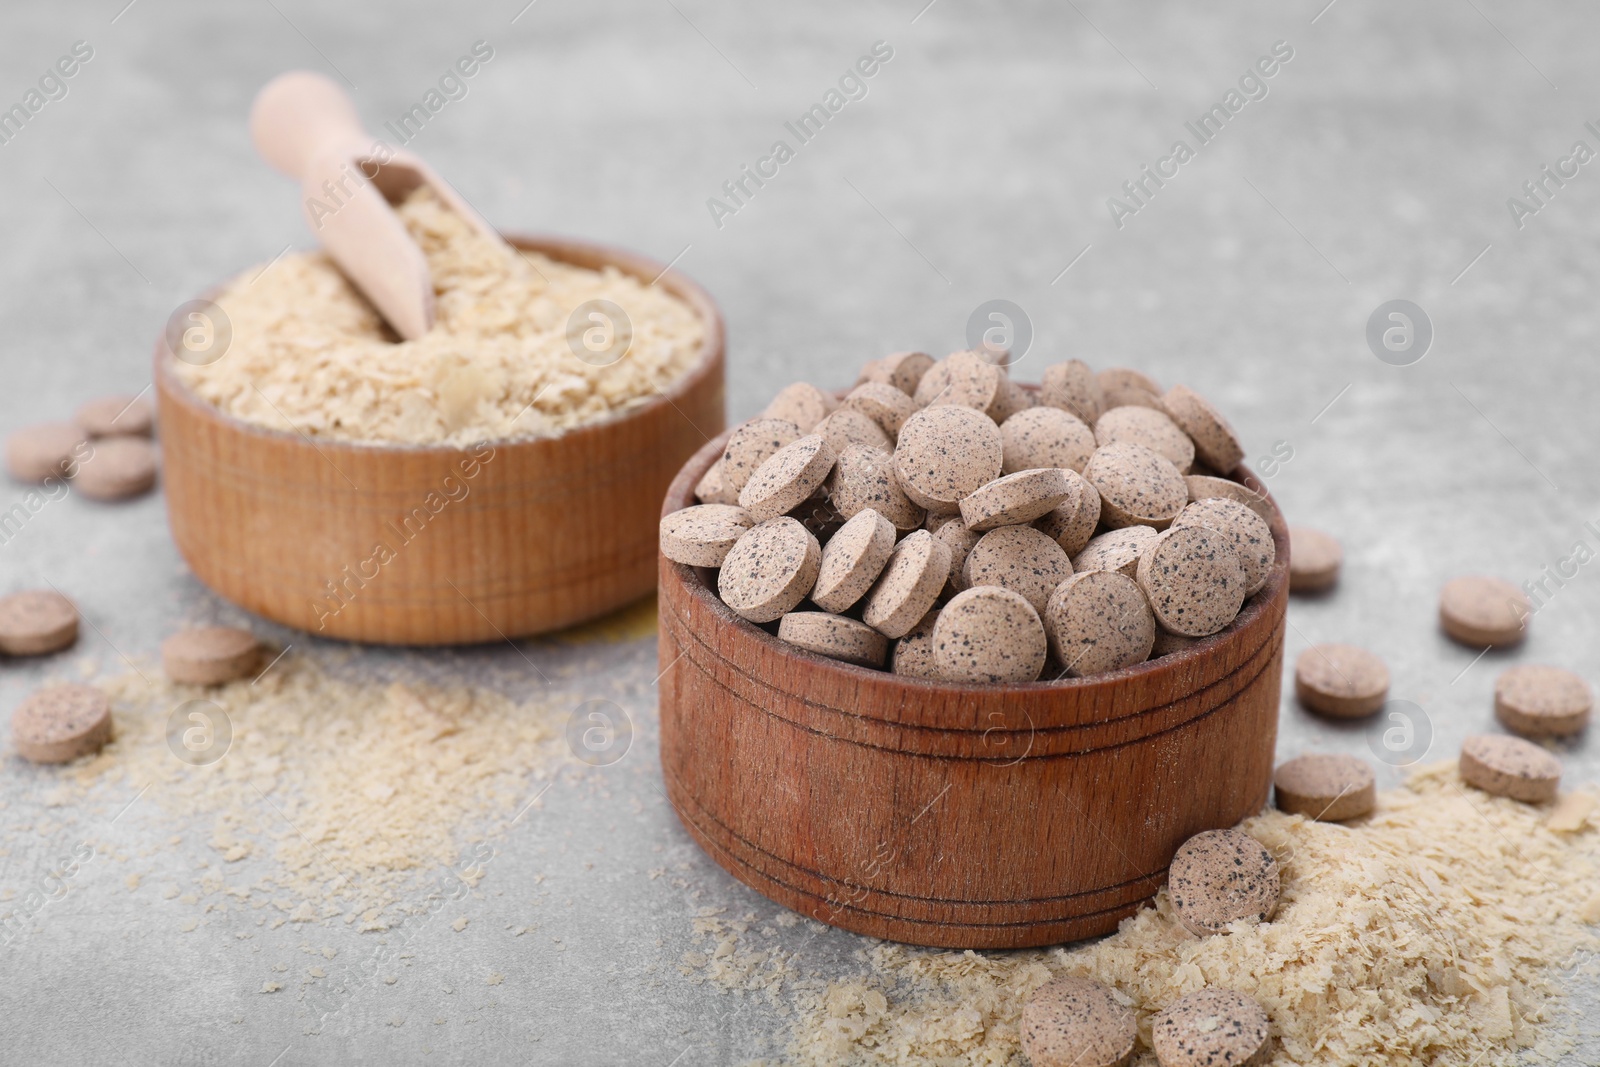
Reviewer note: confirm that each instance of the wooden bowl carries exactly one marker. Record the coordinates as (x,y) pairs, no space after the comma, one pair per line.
(436,545)
(958,816)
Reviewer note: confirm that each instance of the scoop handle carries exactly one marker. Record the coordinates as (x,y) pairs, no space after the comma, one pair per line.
(301,115)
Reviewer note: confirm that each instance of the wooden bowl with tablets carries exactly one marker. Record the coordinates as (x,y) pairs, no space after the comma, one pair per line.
(961,815)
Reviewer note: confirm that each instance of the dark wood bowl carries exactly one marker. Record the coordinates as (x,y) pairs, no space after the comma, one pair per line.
(504,540)
(958,816)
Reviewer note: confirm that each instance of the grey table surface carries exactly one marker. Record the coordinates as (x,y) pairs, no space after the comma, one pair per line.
(978,166)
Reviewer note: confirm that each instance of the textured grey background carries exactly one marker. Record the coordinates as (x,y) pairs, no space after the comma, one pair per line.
(977,167)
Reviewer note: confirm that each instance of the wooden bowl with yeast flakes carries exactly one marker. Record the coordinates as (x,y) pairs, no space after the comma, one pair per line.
(437,543)
(987,816)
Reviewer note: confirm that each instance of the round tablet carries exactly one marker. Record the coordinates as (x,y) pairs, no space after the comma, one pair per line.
(1510,767)
(849,426)
(1341,681)
(1072,522)
(1212,1028)
(852,560)
(1099,621)
(903,370)
(946,452)
(1167,643)
(910,583)
(1538,701)
(834,636)
(60,723)
(787,478)
(121,414)
(211,655)
(865,478)
(881,402)
(1045,437)
(962,379)
(913,653)
(960,541)
(117,468)
(1072,387)
(1326,787)
(1314,560)
(1138,486)
(1148,427)
(1205,487)
(1077,1022)
(1015,498)
(1477,610)
(1220,877)
(1214,440)
(1010,399)
(1193,580)
(1021,559)
(702,536)
(1123,387)
(802,404)
(713,488)
(44,450)
(751,444)
(36,622)
(770,570)
(988,634)
(1116,550)
(1249,532)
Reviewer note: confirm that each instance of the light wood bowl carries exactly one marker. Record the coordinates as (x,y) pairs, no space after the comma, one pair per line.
(546,533)
(957,816)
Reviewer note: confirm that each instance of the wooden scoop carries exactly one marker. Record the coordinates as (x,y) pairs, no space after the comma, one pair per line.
(306,126)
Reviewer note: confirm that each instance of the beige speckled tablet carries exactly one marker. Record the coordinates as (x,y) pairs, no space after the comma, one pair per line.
(1015,498)
(946,452)
(913,653)
(1167,643)
(60,723)
(1099,621)
(1116,550)
(36,622)
(1341,681)
(712,488)
(1138,486)
(1072,387)
(910,583)
(1326,787)
(751,444)
(211,655)
(1251,536)
(1193,580)
(1010,399)
(1538,701)
(771,569)
(1220,877)
(1148,427)
(1045,437)
(883,404)
(1072,522)
(1122,387)
(802,404)
(787,478)
(1510,767)
(1212,1028)
(1214,440)
(834,636)
(960,541)
(1077,1022)
(852,560)
(903,370)
(118,468)
(964,379)
(866,478)
(1478,610)
(851,426)
(988,634)
(702,536)
(1314,560)
(44,450)
(1206,487)
(122,414)
(1021,559)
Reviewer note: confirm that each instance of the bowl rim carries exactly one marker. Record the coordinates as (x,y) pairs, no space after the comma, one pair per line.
(572,250)
(1270,598)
